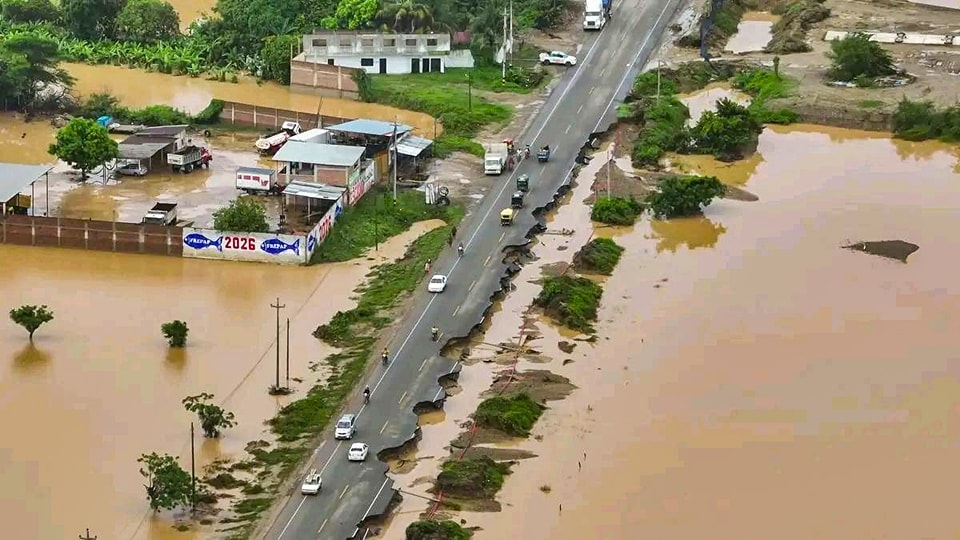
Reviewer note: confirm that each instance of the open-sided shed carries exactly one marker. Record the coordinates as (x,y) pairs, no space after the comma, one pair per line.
(14,178)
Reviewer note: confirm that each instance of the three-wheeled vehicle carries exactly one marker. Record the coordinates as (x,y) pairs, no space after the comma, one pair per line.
(523,183)
(517,200)
(506,216)
(544,154)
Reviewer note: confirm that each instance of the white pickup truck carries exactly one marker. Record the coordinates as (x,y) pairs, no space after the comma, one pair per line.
(558,58)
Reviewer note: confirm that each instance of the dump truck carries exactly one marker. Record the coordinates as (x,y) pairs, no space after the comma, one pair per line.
(495,158)
(161,214)
(189,158)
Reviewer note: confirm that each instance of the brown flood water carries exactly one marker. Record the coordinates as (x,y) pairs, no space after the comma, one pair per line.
(137,88)
(753,32)
(191,10)
(99,386)
(766,383)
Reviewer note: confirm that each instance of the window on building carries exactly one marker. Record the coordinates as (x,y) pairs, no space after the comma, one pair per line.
(366,42)
(320,42)
(329,61)
(410,42)
(346,42)
(389,42)
(366,62)
(431,42)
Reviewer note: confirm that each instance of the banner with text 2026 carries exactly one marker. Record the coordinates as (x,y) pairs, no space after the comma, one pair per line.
(241,246)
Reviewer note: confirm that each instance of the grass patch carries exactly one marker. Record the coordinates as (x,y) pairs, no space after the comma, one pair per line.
(514,415)
(376,218)
(870,103)
(620,211)
(248,507)
(764,84)
(225,480)
(447,144)
(426,529)
(472,478)
(572,301)
(600,256)
(664,129)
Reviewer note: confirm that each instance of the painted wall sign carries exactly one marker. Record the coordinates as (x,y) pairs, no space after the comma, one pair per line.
(363,184)
(237,246)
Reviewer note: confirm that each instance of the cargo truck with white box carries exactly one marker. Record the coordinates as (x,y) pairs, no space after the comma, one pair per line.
(254,180)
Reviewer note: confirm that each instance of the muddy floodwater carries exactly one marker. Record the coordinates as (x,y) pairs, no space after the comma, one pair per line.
(754,380)
(137,88)
(99,386)
(753,32)
(191,10)
(706,99)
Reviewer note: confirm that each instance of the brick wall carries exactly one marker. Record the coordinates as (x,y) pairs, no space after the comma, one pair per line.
(91,234)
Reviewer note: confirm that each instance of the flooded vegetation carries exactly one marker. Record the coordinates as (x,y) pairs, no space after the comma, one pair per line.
(891,249)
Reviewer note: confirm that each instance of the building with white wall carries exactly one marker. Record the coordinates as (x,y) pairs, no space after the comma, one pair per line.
(384,53)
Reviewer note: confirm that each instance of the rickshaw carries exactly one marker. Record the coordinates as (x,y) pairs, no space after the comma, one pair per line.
(544,154)
(523,183)
(506,216)
(516,201)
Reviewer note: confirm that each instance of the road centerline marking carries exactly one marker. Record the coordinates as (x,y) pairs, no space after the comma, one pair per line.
(580,108)
(502,235)
(384,426)
(568,129)
(456,311)
(487,260)
(322,525)
(474,284)
(422,364)
(344,492)
(401,398)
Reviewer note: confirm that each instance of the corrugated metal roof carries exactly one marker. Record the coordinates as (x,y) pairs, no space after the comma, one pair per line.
(314,191)
(255,170)
(15,177)
(309,134)
(413,146)
(140,151)
(164,130)
(319,154)
(370,127)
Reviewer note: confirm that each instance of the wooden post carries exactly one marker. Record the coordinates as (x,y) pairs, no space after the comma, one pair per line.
(87,536)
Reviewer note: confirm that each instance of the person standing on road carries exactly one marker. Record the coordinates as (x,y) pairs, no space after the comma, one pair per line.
(426,267)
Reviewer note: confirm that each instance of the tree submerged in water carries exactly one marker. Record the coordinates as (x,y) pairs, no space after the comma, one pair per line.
(168,485)
(31,317)
(213,418)
(175,332)
(891,249)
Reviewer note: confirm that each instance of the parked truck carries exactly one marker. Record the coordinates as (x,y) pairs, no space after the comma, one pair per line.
(269,144)
(255,180)
(189,158)
(495,157)
(595,13)
(161,214)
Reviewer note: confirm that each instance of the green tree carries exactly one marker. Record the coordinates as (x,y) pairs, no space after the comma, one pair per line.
(212,417)
(168,485)
(148,21)
(242,215)
(175,332)
(30,67)
(276,57)
(646,84)
(406,15)
(428,529)
(91,19)
(857,56)
(30,11)
(680,196)
(84,144)
(727,132)
(353,14)
(31,317)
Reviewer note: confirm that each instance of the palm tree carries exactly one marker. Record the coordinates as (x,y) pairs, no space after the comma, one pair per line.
(407,15)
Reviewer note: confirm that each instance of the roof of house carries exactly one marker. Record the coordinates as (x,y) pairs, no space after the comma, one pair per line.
(169,131)
(15,177)
(142,138)
(255,170)
(413,146)
(309,134)
(314,191)
(370,127)
(141,150)
(319,154)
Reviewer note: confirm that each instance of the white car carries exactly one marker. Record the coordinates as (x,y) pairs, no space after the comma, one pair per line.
(437,283)
(358,452)
(558,58)
(346,427)
(132,169)
(311,484)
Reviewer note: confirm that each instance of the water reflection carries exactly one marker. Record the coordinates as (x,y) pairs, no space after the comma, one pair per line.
(692,233)
(30,359)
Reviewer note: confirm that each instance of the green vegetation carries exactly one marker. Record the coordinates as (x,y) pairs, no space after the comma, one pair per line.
(870,103)
(620,211)
(599,256)
(148,21)
(30,63)
(572,301)
(212,417)
(225,480)
(31,317)
(727,132)
(375,219)
(664,129)
(175,333)
(859,59)
(426,529)
(514,415)
(242,215)
(763,85)
(102,104)
(168,485)
(680,196)
(84,145)
(473,478)
(921,120)
(29,11)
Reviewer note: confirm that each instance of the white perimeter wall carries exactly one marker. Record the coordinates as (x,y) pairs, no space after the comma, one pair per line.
(241,246)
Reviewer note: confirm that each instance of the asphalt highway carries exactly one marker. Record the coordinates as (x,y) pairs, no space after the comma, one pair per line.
(583,102)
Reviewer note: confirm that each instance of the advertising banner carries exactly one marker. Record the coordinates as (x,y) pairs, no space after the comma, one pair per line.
(323,227)
(241,246)
(362,184)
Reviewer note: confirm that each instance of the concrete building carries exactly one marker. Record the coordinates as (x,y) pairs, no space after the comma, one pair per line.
(318,163)
(383,53)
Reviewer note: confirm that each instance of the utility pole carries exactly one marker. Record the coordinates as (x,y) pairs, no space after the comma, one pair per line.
(469,96)
(510,40)
(87,536)
(658,80)
(193,471)
(288,353)
(503,63)
(609,164)
(278,306)
(395,160)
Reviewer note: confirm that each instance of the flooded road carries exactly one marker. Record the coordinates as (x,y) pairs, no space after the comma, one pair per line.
(777,385)
(100,387)
(137,88)
(753,32)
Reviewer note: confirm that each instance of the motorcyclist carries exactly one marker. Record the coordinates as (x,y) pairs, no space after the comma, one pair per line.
(366,395)
(435,332)
(526,151)
(385,355)
(460,249)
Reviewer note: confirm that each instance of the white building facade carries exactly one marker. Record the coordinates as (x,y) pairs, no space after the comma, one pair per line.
(384,53)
